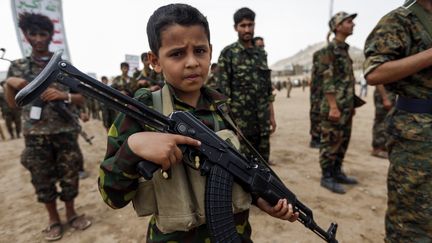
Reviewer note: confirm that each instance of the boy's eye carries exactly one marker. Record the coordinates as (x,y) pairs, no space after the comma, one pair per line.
(200,50)
(176,54)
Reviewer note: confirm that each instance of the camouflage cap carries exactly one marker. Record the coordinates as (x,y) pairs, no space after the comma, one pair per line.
(338,18)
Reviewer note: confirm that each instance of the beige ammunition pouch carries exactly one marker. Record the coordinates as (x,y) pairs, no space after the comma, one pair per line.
(178,202)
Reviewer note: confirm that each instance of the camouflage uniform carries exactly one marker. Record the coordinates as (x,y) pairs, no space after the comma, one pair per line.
(51,152)
(245,78)
(338,78)
(400,34)
(316,96)
(93,108)
(122,84)
(379,135)
(150,75)
(118,180)
(12,117)
(108,116)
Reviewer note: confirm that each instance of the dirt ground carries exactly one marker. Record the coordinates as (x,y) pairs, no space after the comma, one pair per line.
(359,213)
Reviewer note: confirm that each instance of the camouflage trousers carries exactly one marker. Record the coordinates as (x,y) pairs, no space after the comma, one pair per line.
(409,185)
(199,234)
(315,119)
(108,116)
(335,138)
(51,159)
(13,119)
(379,134)
(260,143)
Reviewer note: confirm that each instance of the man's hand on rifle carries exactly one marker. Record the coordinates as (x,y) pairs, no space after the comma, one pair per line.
(160,148)
(51,94)
(282,210)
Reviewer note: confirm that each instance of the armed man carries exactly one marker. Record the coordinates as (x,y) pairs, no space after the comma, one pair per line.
(398,55)
(51,151)
(244,77)
(337,106)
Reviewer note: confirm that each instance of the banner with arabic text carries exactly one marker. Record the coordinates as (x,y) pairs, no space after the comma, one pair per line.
(50,8)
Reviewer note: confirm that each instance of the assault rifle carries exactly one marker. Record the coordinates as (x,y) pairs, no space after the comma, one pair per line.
(218,160)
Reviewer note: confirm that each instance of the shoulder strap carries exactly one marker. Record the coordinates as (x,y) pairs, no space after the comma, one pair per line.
(162,101)
(424,17)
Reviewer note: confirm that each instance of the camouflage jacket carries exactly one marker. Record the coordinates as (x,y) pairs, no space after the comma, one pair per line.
(338,76)
(51,122)
(397,35)
(122,84)
(245,78)
(118,179)
(150,75)
(316,77)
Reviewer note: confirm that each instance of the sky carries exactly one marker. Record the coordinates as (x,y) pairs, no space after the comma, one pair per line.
(100,32)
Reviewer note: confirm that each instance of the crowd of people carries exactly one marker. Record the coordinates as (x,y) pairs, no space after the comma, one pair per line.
(237,104)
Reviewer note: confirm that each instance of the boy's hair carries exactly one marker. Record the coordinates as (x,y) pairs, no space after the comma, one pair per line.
(257,38)
(243,13)
(143,56)
(104,77)
(172,14)
(124,64)
(32,21)
(213,66)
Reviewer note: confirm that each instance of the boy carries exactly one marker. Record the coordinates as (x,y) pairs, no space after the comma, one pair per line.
(179,39)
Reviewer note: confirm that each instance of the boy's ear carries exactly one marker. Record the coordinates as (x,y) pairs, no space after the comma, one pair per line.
(154,61)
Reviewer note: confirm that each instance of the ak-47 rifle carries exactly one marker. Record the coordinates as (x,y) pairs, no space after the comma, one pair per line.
(219,161)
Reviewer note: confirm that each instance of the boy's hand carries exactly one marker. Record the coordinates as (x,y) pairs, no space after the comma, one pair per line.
(160,148)
(281,210)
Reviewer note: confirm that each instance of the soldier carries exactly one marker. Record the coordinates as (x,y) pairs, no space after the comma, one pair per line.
(12,117)
(383,100)
(51,149)
(211,78)
(108,114)
(123,82)
(289,86)
(337,106)
(315,98)
(399,55)
(245,78)
(147,77)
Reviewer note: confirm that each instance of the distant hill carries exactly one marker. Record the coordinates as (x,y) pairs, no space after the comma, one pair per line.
(304,57)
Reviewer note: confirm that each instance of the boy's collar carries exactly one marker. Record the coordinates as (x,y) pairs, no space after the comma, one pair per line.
(209,98)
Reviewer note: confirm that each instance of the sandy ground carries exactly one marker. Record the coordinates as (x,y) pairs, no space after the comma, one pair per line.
(359,213)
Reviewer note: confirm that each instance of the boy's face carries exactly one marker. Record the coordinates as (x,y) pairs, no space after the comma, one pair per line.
(124,69)
(245,30)
(38,39)
(184,57)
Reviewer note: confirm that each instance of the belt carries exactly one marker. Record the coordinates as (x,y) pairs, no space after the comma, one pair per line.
(414,105)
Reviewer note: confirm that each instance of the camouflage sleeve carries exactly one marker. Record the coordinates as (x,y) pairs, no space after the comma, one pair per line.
(14,70)
(271,97)
(118,179)
(386,42)
(223,76)
(326,64)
